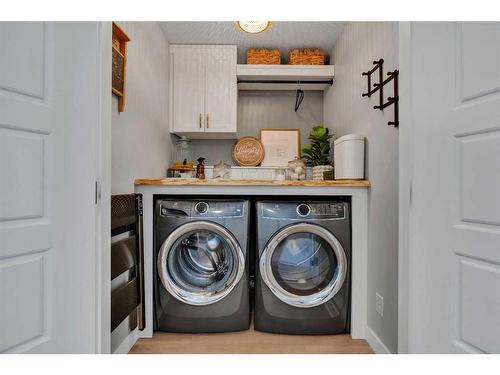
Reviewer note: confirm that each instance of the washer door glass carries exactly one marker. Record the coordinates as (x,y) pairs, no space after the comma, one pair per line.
(200,263)
(304,265)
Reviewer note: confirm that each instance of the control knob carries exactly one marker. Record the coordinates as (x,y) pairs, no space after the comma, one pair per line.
(303,210)
(201,207)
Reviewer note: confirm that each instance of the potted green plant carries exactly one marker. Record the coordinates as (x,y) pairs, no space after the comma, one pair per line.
(317,153)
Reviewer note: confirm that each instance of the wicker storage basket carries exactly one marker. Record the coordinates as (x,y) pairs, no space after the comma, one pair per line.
(263,56)
(306,57)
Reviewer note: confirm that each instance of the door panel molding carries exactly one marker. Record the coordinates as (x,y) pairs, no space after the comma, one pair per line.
(469,60)
(26,43)
(479,176)
(472,330)
(31,310)
(23,174)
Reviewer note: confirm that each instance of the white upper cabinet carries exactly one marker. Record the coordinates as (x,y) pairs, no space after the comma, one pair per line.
(187,89)
(203,91)
(221,89)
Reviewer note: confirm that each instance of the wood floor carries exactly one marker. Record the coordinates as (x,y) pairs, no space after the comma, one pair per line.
(249,342)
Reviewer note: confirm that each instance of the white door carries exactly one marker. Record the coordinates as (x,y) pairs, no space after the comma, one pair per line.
(221,89)
(49,81)
(454,252)
(187,89)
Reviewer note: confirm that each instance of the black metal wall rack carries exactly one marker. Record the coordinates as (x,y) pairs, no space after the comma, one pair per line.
(373,88)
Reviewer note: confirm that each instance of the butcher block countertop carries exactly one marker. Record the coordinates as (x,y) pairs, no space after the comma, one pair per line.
(228,182)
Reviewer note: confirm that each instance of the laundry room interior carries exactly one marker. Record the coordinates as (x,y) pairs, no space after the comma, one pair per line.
(264,186)
(179,181)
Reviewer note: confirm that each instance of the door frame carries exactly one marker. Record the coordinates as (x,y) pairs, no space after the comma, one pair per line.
(405,183)
(103,194)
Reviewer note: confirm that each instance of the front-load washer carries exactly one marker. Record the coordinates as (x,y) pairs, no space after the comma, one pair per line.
(201,281)
(303,267)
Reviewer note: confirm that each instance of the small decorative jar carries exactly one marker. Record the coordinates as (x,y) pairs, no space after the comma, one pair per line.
(296,169)
(182,152)
(222,170)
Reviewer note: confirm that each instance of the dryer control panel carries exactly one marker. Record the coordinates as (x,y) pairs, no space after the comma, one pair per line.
(303,210)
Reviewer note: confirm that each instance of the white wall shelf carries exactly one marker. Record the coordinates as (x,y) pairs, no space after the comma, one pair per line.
(284,77)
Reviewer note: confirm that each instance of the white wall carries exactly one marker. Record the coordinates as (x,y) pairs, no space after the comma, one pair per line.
(346,112)
(141,145)
(265,109)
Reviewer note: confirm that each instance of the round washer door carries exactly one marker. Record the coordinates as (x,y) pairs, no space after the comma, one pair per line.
(200,263)
(304,265)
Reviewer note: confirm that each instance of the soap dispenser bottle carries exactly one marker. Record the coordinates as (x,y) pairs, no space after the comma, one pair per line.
(200,168)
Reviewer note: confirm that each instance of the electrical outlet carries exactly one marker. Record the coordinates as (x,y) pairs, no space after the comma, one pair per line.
(379,304)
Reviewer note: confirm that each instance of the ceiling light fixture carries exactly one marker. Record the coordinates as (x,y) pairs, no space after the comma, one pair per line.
(254,27)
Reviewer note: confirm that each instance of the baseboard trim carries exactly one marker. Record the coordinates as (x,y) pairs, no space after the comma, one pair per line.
(127,343)
(374,341)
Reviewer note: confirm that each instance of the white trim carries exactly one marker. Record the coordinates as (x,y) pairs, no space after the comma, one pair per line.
(127,343)
(249,72)
(375,342)
(103,209)
(286,72)
(405,182)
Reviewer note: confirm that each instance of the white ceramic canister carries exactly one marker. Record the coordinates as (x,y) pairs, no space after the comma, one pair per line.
(349,157)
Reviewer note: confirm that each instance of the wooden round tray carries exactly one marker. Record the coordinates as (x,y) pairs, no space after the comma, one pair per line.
(248,152)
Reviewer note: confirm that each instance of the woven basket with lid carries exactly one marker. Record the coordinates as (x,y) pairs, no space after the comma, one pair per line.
(263,56)
(307,56)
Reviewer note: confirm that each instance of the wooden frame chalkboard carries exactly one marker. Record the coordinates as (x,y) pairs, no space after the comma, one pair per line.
(119,65)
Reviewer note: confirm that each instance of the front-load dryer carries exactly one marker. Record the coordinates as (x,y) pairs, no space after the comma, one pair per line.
(303,267)
(201,269)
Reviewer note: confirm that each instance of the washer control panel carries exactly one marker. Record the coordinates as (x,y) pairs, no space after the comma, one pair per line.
(303,210)
(202,208)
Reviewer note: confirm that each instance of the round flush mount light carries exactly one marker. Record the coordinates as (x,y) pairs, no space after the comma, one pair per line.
(254,27)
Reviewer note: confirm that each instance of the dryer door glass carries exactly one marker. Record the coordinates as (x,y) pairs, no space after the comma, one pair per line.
(200,263)
(304,265)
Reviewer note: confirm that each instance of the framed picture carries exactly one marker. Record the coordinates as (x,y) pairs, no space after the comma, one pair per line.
(280,146)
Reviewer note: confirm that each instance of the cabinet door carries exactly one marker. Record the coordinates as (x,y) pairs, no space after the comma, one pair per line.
(187,89)
(221,89)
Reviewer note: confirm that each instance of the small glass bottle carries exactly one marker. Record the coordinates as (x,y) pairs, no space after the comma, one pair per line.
(200,169)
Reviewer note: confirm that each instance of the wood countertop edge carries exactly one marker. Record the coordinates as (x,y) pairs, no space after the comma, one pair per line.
(228,182)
